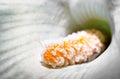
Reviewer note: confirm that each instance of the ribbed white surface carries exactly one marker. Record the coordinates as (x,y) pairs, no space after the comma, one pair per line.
(23,23)
(84,10)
